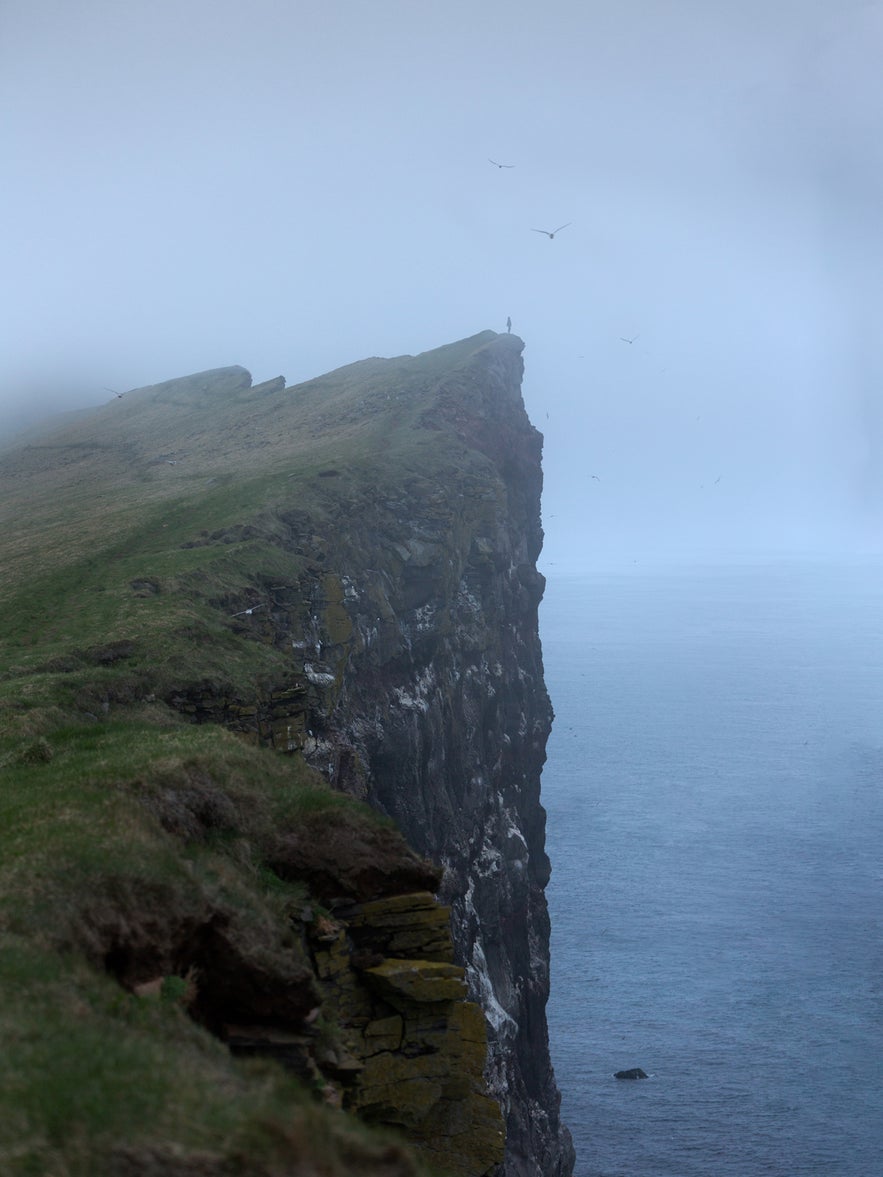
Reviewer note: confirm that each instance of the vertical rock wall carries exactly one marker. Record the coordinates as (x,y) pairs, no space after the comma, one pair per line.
(377,614)
(437,710)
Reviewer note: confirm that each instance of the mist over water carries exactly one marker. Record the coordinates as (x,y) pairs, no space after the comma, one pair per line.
(715,816)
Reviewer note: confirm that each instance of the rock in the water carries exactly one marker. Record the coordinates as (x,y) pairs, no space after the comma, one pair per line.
(633,1073)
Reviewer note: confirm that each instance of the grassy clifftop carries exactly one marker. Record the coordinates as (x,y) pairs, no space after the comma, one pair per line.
(181,492)
(160,877)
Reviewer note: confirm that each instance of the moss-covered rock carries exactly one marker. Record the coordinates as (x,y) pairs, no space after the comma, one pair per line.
(404,983)
(420,1046)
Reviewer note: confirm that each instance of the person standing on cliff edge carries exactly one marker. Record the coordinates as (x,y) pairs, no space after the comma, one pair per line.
(509,325)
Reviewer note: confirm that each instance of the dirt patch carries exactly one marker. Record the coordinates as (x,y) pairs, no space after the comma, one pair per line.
(242,969)
(193,807)
(341,855)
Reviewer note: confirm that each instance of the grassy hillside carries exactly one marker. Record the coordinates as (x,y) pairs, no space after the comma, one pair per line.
(139,852)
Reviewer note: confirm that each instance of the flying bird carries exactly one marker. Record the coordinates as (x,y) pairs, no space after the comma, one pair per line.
(500,165)
(632,340)
(113,390)
(551,234)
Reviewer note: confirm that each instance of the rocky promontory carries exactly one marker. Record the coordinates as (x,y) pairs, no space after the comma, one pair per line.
(273,727)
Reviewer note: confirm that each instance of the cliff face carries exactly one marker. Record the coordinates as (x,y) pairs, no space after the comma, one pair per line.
(344,576)
(439,715)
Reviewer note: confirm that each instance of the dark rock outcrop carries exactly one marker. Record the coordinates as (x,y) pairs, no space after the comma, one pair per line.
(350,860)
(412,1050)
(443,703)
(421,690)
(366,1006)
(416,677)
(631,1073)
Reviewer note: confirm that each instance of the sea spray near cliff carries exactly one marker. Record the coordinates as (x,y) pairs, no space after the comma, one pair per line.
(343,575)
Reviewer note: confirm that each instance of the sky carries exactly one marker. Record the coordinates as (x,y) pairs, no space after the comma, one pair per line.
(293,185)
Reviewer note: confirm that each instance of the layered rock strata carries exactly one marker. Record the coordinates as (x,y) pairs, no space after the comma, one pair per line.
(413,1048)
(356,993)
(417,683)
(442,717)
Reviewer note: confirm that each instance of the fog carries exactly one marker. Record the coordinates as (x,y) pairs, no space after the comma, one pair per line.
(294,186)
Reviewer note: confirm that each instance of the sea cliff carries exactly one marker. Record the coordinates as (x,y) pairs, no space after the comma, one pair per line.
(274,726)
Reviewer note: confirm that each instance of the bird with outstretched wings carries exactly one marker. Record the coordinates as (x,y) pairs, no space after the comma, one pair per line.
(550,233)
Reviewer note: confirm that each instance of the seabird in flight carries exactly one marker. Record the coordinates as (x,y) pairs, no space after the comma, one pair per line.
(500,165)
(114,391)
(632,340)
(553,232)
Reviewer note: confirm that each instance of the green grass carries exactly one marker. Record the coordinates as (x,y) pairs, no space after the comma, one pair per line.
(84,1064)
(86,1068)
(129,539)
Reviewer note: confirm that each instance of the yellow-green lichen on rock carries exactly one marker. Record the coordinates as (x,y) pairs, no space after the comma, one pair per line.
(403,982)
(420,1046)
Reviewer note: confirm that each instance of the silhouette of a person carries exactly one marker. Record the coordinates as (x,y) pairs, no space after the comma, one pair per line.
(509,324)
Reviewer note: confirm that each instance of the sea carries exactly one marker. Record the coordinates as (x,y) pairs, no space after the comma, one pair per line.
(714,790)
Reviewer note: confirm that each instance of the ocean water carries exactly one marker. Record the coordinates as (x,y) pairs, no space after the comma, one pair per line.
(714,792)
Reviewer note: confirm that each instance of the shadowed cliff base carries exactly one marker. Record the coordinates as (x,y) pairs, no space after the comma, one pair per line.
(235,615)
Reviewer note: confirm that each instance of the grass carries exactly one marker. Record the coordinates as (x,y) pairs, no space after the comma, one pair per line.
(85,1064)
(130,538)
(100,1067)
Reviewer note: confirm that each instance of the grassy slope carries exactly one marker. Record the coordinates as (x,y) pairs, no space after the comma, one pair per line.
(99,505)
(129,537)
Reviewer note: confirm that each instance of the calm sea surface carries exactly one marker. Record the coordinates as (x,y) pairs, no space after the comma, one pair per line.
(715,798)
